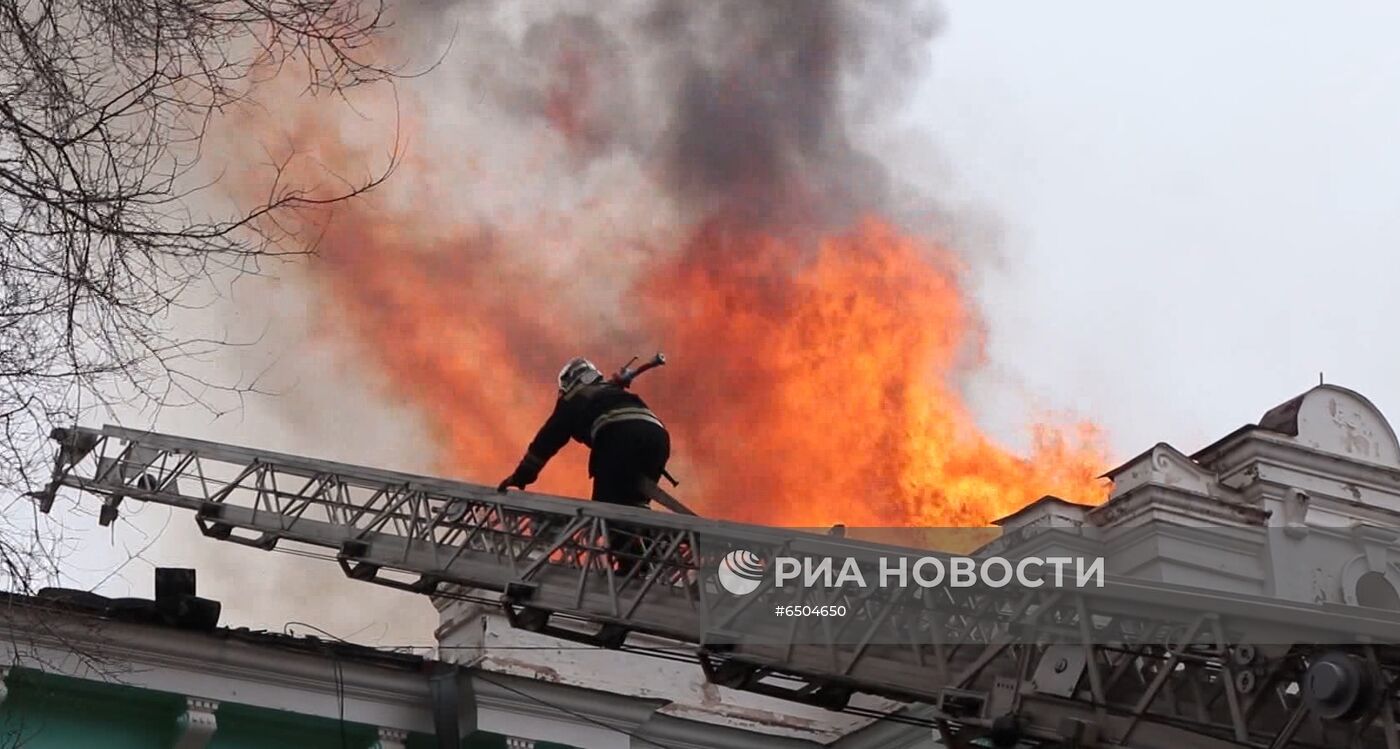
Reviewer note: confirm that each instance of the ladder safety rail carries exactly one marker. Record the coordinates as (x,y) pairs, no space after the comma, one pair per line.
(1133,663)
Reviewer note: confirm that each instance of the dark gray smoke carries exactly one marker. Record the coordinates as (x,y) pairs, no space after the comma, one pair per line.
(739,108)
(761,130)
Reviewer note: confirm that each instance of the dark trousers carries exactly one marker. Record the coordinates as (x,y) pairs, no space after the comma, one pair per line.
(623,454)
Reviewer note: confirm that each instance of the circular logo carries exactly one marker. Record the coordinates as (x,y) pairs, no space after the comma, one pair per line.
(741,572)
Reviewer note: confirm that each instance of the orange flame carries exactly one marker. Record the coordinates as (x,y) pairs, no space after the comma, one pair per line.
(819,390)
(812,381)
(802,392)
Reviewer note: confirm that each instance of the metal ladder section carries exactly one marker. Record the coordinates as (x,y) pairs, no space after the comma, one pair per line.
(1131,664)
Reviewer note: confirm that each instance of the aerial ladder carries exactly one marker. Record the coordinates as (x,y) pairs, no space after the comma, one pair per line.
(1129,664)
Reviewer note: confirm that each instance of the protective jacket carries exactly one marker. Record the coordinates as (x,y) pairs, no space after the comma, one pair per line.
(580,414)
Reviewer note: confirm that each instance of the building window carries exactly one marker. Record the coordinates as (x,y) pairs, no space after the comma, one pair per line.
(1376,592)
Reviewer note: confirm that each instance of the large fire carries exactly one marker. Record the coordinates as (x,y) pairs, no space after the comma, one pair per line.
(806,388)
(820,389)
(812,379)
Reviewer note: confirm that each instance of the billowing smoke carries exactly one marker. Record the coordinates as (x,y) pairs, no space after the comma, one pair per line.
(733,107)
(758,129)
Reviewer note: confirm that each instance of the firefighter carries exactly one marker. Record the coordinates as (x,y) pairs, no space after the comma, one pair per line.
(626,440)
(627,443)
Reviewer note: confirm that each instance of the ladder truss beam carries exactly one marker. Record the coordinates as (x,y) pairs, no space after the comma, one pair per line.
(1132,663)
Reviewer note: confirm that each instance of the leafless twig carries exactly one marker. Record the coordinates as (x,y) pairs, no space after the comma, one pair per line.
(104,107)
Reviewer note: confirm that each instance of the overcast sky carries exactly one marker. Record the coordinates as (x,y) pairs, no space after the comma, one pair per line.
(1199,202)
(1196,207)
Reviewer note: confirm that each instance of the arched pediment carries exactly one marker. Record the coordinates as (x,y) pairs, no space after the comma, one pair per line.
(1339,421)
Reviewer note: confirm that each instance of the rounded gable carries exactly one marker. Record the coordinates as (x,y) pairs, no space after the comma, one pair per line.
(1342,422)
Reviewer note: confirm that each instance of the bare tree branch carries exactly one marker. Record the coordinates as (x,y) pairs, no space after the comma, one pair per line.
(104,107)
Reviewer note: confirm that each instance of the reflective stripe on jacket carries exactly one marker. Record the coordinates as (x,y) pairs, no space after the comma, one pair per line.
(579,414)
(623,414)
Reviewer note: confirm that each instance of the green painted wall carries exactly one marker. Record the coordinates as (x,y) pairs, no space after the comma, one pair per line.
(483,740)
(55,712)
(45,712)
(243,727)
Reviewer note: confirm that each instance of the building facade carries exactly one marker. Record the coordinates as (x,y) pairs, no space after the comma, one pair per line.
(1298,506)
(83,671)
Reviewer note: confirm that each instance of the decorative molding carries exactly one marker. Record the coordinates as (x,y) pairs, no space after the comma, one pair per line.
(1127,508)
(196,726)
(1263,452)
(391,738)
(1295,513)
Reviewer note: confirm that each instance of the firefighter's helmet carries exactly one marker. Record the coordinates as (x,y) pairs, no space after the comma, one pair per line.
(579,371)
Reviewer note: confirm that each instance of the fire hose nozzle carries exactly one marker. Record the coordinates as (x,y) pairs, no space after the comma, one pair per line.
(625,375)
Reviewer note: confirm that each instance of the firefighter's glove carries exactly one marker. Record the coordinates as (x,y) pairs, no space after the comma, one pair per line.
(521,478)
(514,480)
(524,474)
